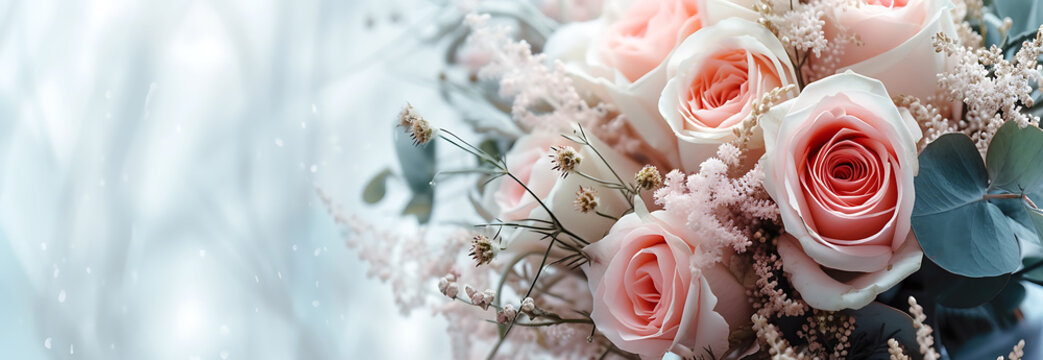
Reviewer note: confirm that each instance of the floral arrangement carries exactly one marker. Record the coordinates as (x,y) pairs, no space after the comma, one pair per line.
(722,179)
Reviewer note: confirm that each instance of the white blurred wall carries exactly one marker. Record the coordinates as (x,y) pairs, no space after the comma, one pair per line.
(157,166)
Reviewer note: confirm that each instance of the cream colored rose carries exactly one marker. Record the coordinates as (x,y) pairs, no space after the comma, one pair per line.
(714,77)
(896,42)
(529,160)
(620,57)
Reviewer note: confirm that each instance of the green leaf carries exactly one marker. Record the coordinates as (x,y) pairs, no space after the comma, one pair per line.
(1036,216)
(1014,159)
(420,205)
(956,227)
(964,292)
(416,162)
(1034,275)
(1010,298)
(376,188)
(957,291)
(1026,14)
(875,323)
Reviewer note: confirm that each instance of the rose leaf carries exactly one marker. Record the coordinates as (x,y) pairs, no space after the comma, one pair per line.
(957,225)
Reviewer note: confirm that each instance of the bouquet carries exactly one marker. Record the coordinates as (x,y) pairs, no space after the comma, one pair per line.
(722,179)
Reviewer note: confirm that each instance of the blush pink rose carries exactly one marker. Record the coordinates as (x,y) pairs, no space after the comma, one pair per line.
(646,32)
(529,161)
(649,296)
(839,161)
(714,77)
(895,42)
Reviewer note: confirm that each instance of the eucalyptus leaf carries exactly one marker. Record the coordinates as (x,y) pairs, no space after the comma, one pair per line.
(957,228)
(1014,157)
(1020,221)
(961,292)
(421,206)
(1010,298)
(416,162)
(964,292)
(1037,219)
(1036,274)
(376,188)
(1027,15)
(874,324)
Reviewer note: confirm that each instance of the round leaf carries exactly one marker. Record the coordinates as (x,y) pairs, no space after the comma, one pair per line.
(875,323)
(956,228)
(376,188)
(1014,159)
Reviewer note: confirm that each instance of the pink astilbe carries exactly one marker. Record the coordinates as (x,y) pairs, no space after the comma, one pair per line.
(723,211)
(802,29)
(527,79)
(401,258)
(767,298)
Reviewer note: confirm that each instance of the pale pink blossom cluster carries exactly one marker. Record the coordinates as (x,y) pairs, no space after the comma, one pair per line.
(995,89)
(718,207)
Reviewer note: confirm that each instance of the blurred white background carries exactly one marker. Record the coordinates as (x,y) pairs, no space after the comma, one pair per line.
(158,161)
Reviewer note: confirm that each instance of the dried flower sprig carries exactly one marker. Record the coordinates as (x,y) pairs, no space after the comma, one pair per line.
(923,331)
(565,159)
(527,79)
(553,230)
(995,89)
(482,249)
(648,178)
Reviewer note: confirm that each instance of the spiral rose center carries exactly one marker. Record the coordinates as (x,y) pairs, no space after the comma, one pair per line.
(849,175)
(644,287)
(720,93)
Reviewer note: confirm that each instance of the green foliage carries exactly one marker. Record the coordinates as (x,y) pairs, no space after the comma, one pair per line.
(970,214)
(874,324)
(957,228)
(376,188)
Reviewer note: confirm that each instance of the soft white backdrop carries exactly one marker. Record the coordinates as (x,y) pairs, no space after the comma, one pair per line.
(157,169)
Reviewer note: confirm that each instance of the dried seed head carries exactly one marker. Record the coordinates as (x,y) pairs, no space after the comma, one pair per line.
(586,199)
(506,315)
(528,305)
(565,159)
(421,132)
(482,249)
(648,178)
(408,116)
(418,128)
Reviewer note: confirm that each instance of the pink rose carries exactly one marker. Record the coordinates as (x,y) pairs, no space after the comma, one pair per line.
(620,57)
(714,77)
(641,37)
(839,161)
(649,295)
(529,160)
(896,42)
